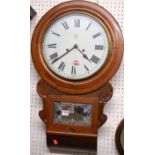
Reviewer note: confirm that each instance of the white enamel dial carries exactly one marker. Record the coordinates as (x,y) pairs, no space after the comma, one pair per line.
(75,46)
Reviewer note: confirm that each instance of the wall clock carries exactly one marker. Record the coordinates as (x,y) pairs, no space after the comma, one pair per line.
(77,47)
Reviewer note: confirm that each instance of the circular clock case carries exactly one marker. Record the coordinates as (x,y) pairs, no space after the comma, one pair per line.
(77,47)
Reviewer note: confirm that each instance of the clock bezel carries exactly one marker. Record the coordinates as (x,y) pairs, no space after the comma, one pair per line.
(109,47)
(107,71)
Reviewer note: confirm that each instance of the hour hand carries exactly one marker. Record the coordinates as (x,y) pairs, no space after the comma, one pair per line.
(84,55)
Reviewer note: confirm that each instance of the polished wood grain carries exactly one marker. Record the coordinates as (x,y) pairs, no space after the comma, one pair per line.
(102,77)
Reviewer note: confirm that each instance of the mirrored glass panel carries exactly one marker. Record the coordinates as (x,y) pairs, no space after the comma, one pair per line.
(72,113)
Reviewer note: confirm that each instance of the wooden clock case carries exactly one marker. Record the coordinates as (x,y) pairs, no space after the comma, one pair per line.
(86,137)
(95,89)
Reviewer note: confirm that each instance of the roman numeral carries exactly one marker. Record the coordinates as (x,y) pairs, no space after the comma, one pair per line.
(73,71)
(86,68)
(61,66)
(98,47)
(95,59)
(96,35)
(54,33)
(77,22)
(53,56)
(65,25)
(51,45)
(88,26)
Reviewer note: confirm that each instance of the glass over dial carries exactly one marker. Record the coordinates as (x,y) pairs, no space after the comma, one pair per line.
(75,46)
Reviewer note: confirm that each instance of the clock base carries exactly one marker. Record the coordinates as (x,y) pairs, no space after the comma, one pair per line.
(61,142)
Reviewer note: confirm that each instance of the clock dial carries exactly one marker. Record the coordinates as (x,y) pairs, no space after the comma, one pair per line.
(75,46)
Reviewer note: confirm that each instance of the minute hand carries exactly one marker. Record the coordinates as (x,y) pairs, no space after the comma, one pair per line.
(62,55)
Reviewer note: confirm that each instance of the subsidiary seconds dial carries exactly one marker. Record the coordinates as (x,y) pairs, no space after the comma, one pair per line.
(76,46)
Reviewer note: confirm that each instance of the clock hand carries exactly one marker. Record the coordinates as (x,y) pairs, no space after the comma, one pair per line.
(63,54)
(84,55)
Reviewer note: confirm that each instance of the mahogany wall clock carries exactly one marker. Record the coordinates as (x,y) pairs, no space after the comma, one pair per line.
(77,47)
